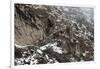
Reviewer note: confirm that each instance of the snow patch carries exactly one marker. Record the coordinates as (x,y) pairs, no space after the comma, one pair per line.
(39,51)
(53,46)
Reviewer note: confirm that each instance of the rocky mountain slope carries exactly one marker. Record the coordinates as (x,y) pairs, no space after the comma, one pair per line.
(49,34)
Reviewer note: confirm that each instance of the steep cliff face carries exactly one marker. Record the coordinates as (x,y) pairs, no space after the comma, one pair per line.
(41,26)
(28,28)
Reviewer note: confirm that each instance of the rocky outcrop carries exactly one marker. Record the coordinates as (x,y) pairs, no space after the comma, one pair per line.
(53,33)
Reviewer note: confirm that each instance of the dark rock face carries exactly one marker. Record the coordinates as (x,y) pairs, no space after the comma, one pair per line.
(49,34)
